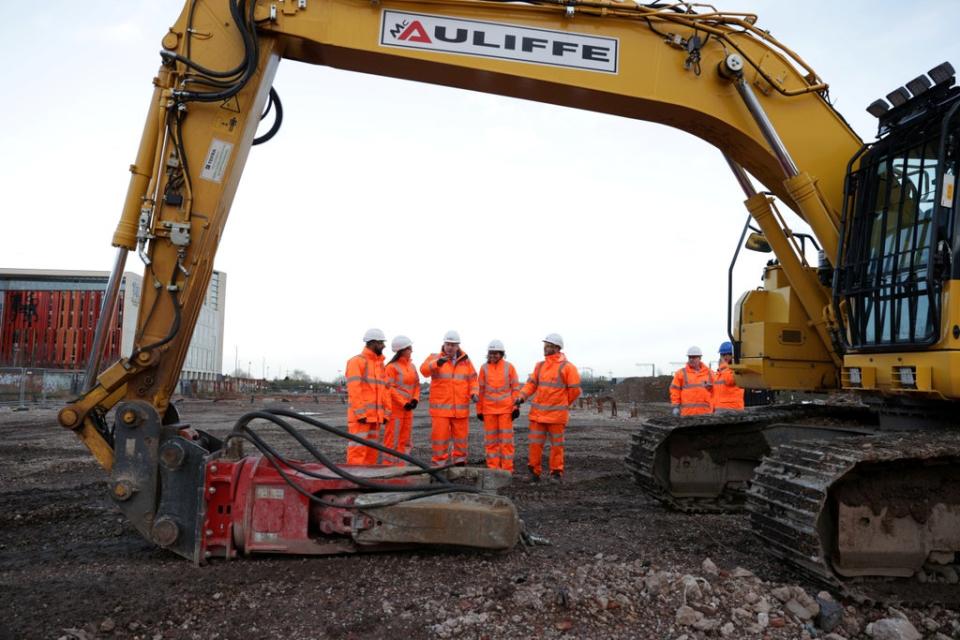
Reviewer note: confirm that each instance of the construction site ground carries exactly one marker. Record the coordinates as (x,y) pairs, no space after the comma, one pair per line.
(617,565)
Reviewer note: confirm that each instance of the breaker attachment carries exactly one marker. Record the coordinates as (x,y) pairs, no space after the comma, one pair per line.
(203,498)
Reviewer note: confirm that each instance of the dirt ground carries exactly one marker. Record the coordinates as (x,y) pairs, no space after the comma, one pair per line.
(617,564)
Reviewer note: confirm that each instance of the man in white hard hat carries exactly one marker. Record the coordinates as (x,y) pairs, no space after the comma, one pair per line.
(553,386)
(499,388)
(369,397)
(691,393)
(453,386)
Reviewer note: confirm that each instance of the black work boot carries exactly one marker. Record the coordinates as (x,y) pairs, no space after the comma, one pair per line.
(556,477)
(533,475)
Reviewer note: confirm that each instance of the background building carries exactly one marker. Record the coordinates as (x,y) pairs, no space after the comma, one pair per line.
(48,318)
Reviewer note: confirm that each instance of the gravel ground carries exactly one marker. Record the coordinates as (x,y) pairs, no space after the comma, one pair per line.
(617,565)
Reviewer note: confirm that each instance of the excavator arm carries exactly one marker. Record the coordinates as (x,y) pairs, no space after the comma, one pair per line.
(715,75)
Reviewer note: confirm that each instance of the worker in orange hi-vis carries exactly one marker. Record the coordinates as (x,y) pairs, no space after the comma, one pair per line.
(499,387)
(404,383)
(553,386)
(691,393)
(727,396)
(453,385)
(369,397)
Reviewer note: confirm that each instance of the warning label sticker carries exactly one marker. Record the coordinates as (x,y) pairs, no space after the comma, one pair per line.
(499,40)
(215,164)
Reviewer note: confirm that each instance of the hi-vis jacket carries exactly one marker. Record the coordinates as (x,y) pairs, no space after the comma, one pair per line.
(726,393)
(404,382)
(554,386)
(451,385)
(499,387)
(692,390)
(367,388)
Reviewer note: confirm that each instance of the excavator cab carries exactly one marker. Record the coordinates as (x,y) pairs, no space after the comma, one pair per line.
(899,240)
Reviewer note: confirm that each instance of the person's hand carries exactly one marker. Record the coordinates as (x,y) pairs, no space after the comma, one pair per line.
(676,411)
(518,401)
(441,361)
(413,403)
(480,417)
(475,398)
(363,420)
(408,406)
(515,414)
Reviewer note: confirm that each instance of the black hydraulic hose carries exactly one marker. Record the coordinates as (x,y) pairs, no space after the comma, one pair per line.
(267,449)
(277,119)
(243,422)
(181,151)
(241,23)
(172,290)
(249,66)
(326,503)
(375,445)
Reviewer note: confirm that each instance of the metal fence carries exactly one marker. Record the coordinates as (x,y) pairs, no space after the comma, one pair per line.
(24,386)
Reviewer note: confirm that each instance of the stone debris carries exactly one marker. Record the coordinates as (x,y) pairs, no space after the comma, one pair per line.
(893,629)
(709,567)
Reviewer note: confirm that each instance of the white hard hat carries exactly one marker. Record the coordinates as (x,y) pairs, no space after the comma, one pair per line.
(495,345)
(374,334)
(451,336)
(400,343)
(554,338)
(694,351)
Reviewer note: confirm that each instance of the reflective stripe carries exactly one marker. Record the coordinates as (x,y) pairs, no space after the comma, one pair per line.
(686,380)
(555,385)
(365,379)
(434,405)
(460,441)
(699,385)
(573,386)
(698,405)
(550,407)
(452,376)
(370,406)
(673,386)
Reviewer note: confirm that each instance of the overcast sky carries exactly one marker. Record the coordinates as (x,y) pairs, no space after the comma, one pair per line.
(418,208)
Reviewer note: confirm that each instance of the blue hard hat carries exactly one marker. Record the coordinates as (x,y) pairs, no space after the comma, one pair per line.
(726,347)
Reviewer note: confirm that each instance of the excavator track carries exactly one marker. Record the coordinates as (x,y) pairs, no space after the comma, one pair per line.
(891,502)
(702,464)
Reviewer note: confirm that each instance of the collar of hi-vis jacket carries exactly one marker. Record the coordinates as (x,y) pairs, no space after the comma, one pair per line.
(460,357)
(402,360)
(370,355)
(699,371)
(556,357)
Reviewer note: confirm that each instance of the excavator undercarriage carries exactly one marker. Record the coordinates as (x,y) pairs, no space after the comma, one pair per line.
(847,503)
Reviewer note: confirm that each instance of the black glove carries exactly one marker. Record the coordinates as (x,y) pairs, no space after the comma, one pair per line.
(408,406)
(480,417)
(518,401)
(362,420)
(413,404)
(515,414)
(441,361)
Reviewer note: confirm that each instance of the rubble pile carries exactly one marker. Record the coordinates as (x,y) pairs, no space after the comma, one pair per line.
(614,598)
(643,390)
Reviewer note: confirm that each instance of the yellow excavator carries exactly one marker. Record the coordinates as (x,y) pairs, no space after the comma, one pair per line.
(847,491)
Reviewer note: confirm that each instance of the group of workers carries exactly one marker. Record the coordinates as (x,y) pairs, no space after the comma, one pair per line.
(696,390)
(382,398)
